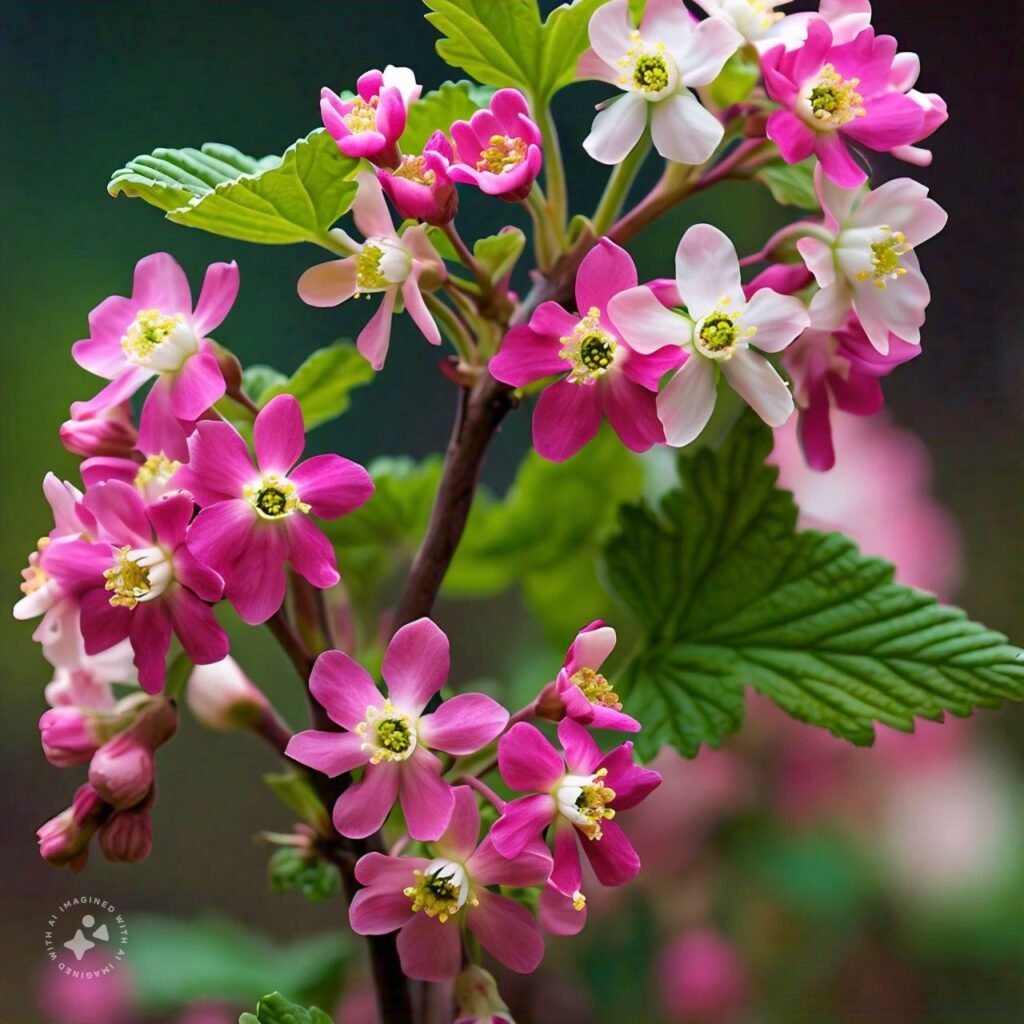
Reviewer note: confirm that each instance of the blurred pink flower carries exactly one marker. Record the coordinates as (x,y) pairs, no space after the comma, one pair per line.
(702,979)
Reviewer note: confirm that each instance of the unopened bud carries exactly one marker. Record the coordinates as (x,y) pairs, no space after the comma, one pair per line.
(127,838)
(110,432)
(550,704)
(122,770)
(64,840)
(67,736)
(224,698)
(479,1002)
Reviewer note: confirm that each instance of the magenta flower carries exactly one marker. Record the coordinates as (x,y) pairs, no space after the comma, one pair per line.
(834,95)
(370,124)
(580,692)
(153,477)
(385,263)
(578,795)
(428,901)
(391,735)
(420,187)
(156,333)
(604,376)
(137,579)
(498,149)
(253,520)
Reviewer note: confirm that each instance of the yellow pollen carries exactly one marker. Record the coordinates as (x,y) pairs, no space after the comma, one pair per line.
(390,734)
(885,258)
(579,901)
(363,116)
(414,168)
(766,8)
(436,894)
(148,331)
(834,100)
(158,468)
(503,152)
(128,580)
(596,688)
(274,497)
(368,272)
(591,804)
(33,576)
(720,333)
(644,68)
(590,349)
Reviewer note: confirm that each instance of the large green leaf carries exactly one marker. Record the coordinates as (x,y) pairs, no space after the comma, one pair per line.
(506,44)
(730,594)
(436,110)
(275,1009)
(277,200)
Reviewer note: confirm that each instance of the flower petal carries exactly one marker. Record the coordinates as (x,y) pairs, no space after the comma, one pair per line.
(631,410)
(160,283)
(683,130)
(644,323)
(427,800)
(159,429)
(430,950)
(557,913)
(704,50)
(609,30)
(417,309)
(631,783)
(196,626)
(507,930)
(256,583)
(197,385)
(612,856)
(460,837)
(379,910)
(605,271)
(333,486)
(582,754)
(617,129)
(707,270)
(416,665)
(219,464)
(375,337)
(687,401)
(527,355)
(779,319)
(329,284)
(566,418)
(220,289)
(220,534)
(311,553)
(521,822)
(331,753)
(464,724)
(343,688)
(279,435)
(531,867)
(362,808)
(150,634)
(755,380)
(527,761)
(566,873)
(592,645)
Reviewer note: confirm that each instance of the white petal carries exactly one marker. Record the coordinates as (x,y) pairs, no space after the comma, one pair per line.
(837,202)
(904,206)
(683,130)
(754,379)
(609,31)
(645,324)
(404,80)
(898,308)
(707,270)
(590,65)
(370,210)
(667,22)
(831,306)
(779,319)
(819,259)
(687,401)
(705,51)
(593,647)
(617,129)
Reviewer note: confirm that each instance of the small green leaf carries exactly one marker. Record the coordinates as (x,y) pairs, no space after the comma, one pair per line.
(791,184)
(736,80)
(292,870)
(730,594)
(275,1009)
(275,201)
(293,789)
(435,111)
(498,253)
(257,379)
(323,383)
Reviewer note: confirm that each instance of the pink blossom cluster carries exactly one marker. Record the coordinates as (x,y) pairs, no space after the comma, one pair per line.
(452,881)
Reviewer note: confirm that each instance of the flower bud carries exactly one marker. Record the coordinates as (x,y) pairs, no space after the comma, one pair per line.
(127,838)
(64,840)
(122,770)
(419,187)
(68,736)
(224,698)
(478,999)
(109,432)
(550,704)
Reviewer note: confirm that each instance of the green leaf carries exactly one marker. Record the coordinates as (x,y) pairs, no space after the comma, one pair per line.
(275,201)
(435,111)
(505,44)
(292,870)
(275,1009)
(791,184)
(736,81)
(498,253)
(323,383)
(730,594)
(257,379)
(177,962)
(294,790)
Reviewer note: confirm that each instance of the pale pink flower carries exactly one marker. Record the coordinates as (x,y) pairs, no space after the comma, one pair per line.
(716,334)
(384,264)
(656,66)
(224,698)
(428,901)
(392,736)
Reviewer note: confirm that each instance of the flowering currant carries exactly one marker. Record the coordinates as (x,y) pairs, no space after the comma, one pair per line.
(391,735)
(420,187)
(253,519)
(604,376)
(430,900)
(655,66)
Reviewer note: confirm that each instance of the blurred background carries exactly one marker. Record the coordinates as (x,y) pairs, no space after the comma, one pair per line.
(789,878)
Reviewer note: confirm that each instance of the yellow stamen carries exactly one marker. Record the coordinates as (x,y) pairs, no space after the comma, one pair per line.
(596,688)
(274,497)
(128,580)
(885,258)
(148,331)
(157,468)
(391,734)
(440,893)
(590,349)
(834,100)
(34,576)
(504,152)
(363,115)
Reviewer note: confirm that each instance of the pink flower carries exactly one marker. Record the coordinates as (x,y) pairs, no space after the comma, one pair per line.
(834,95)
(605,377)
(224,698)
(498,149)
(370,124)
(716,335)
(429,900)
(253,520)
(656,66)
(837,370)
(68,736)
(762,25)
(108,432)
(156,333)
(391,735)
(864,260)
(385,263)
(152,478)
(420,187)
(137,579)
(579,795)
(580,692)
(703,979)
(81,688)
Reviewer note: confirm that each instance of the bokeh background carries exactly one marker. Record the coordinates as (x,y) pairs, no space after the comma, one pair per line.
(791,879)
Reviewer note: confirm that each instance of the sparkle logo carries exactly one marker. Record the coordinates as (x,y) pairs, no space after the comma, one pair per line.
(86,937)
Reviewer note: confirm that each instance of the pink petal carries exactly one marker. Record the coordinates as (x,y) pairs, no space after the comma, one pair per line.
(612,856)
(332,753)
(370,209)
(380,910)
(648,370)
(117,391)
(159,428)
(169,517)
(592,66)
(102,625)
(333,486)
(343,688)
(708,46)
(220,533)
(893,120)
(819,259)
(464,724)
(279,435)
(160,283)
(427,800)
(683,130)
(507,930)
(905,205)
(256,583)
(362,808)
(617,129)
(779,319)
(566,873)
(644,323)
(219,464)
(795,139)
(310,552)
(521,823)
(417,309)
(558,915)
(687,401)
(203,581)
(550,319)
(707,270)
(375,337)
(566,418)
(101,352)
(631,783)
(756,381)
(416,665)
(150,634)
(526,355)
(460,837)
(220,289)
(609,31)
(329,284)
(430,950)
(582,754)
(77,565)
(375,869)
(195,625)
(197,385)
(632,412)
(592,645)
(531,867)
(527,761)
(121,514)
(837,163)
(605,271)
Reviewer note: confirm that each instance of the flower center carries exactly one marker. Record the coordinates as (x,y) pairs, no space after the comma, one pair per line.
(503,152)
(158,342)
(579,901)
(274,497)
(363,115)
(583,799)
(596,688)
(441,890)
(834,100)
(719,334)
(156,469)
(414,169)
(885,258)
(380,264)
(648,69)
(138,574)
(390,734)
(766,9)
(590,349)
(34,576)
